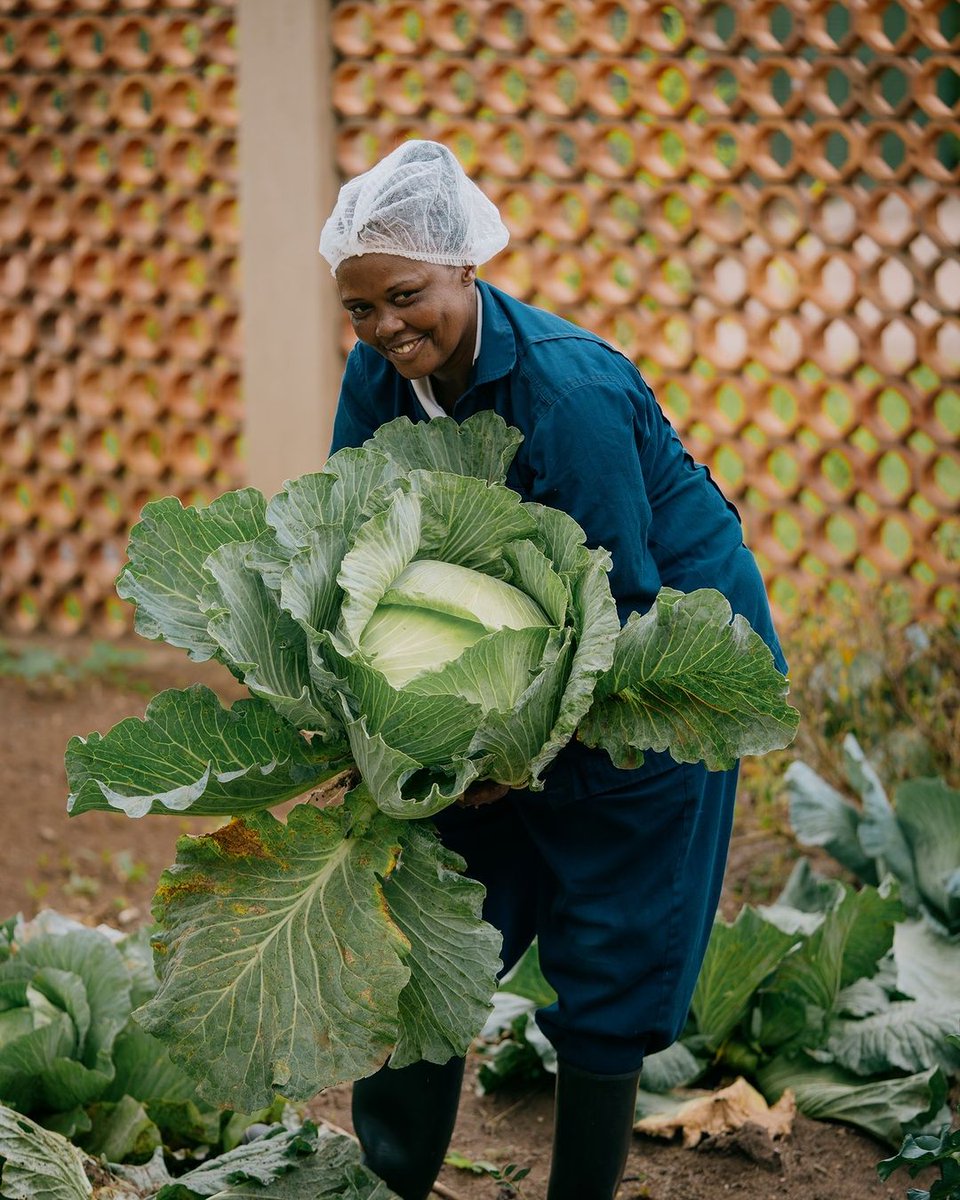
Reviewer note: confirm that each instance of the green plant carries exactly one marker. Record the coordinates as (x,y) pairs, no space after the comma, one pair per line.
(921,1152)
(802,994)
(296,955)
(509,1176)
(82,1086)
(39,666)
(283,1164)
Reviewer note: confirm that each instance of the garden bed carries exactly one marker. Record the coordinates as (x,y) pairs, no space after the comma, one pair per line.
(102,867)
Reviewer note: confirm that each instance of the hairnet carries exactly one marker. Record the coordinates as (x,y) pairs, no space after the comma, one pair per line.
(417,203)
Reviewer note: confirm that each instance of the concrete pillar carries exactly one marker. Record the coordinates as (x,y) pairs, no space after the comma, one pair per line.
(288,184)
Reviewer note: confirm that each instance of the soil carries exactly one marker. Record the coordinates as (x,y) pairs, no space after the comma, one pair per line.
(102,867)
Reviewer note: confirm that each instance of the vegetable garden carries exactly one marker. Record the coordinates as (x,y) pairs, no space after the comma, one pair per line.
(288,959)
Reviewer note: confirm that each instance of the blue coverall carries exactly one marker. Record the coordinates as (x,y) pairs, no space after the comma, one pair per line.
(617,873)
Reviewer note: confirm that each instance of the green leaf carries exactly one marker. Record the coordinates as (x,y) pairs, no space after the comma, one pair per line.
(847,946)
(526,979)
(189,753)
(381,549)
(264,643)
(514,742)
(483,445)
(352,486)
(821,816)
(38,1164)
(880,1107)
(431,729)
(880,834)
(308,585)
(26,1060)
(144,1071)
(121,1132)
(491,674)
(284,1166)
(688,679)
(280,968)
(671,1068)
(928,812)
(453,957)
(533,573)
(928,962)
(596,628)
(908,1035)
(400,785)
(468,522)
(90,957)
(165,576)
(739,957)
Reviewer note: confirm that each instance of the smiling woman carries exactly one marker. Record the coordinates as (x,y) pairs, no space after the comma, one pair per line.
(422,317)
(615,869)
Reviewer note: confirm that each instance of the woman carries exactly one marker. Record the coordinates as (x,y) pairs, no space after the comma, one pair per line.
(617,873)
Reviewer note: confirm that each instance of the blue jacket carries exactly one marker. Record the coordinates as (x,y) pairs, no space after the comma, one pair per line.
(596,445)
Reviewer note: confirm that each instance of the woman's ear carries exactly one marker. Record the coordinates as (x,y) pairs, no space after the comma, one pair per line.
(469,275)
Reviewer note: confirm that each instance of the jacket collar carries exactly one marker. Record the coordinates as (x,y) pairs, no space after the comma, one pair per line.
(498,345)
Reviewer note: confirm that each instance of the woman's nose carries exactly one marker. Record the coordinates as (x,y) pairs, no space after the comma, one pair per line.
(388,323)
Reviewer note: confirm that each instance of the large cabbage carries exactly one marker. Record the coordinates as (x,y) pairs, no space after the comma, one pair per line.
(401,615)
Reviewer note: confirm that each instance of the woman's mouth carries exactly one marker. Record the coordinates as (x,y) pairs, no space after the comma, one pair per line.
(402,351)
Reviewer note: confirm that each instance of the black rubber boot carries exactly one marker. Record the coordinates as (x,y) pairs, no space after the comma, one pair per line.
(592,1129)
(404,1120)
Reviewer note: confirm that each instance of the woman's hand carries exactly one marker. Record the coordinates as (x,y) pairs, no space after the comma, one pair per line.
(484,792)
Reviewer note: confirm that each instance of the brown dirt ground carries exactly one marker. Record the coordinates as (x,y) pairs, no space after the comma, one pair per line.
(102,867)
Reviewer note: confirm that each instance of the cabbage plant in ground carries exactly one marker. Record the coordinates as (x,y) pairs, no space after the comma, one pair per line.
(82,1085)
(846,997)
(405,625)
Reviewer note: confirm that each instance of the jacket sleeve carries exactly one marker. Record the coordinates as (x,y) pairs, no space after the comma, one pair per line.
(355,419)
(585,459)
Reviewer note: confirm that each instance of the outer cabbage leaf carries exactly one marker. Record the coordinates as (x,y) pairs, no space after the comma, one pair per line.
(847,946)
(352,486)
(38,1164)
(928,812)
(483,446)
(279,1153)
(880,833)
(453,956)
(265,644)
(908,1035)
(596,627)
(468,522)
(279,965)
(927,963)
(739,957)
(189,753)
(165,576)
(881,1107)
(688,679)
(400,785)
(822,816)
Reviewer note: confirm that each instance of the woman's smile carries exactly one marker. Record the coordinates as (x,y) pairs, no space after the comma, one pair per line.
(405,349)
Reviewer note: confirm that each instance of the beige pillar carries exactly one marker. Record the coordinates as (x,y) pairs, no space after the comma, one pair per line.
(291,361)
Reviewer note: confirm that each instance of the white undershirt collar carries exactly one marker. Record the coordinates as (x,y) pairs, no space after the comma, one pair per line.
(423,388)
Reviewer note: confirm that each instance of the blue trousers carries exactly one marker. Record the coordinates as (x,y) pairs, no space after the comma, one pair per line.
(620,889)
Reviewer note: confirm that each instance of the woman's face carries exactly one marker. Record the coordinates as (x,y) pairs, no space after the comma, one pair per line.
(422,317)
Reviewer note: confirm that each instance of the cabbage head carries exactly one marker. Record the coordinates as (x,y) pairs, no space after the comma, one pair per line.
(405,626)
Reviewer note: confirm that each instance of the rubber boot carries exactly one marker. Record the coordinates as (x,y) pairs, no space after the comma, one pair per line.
(404,1119)
(592,1130)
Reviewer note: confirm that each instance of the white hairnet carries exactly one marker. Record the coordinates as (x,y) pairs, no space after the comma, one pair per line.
(417,203)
